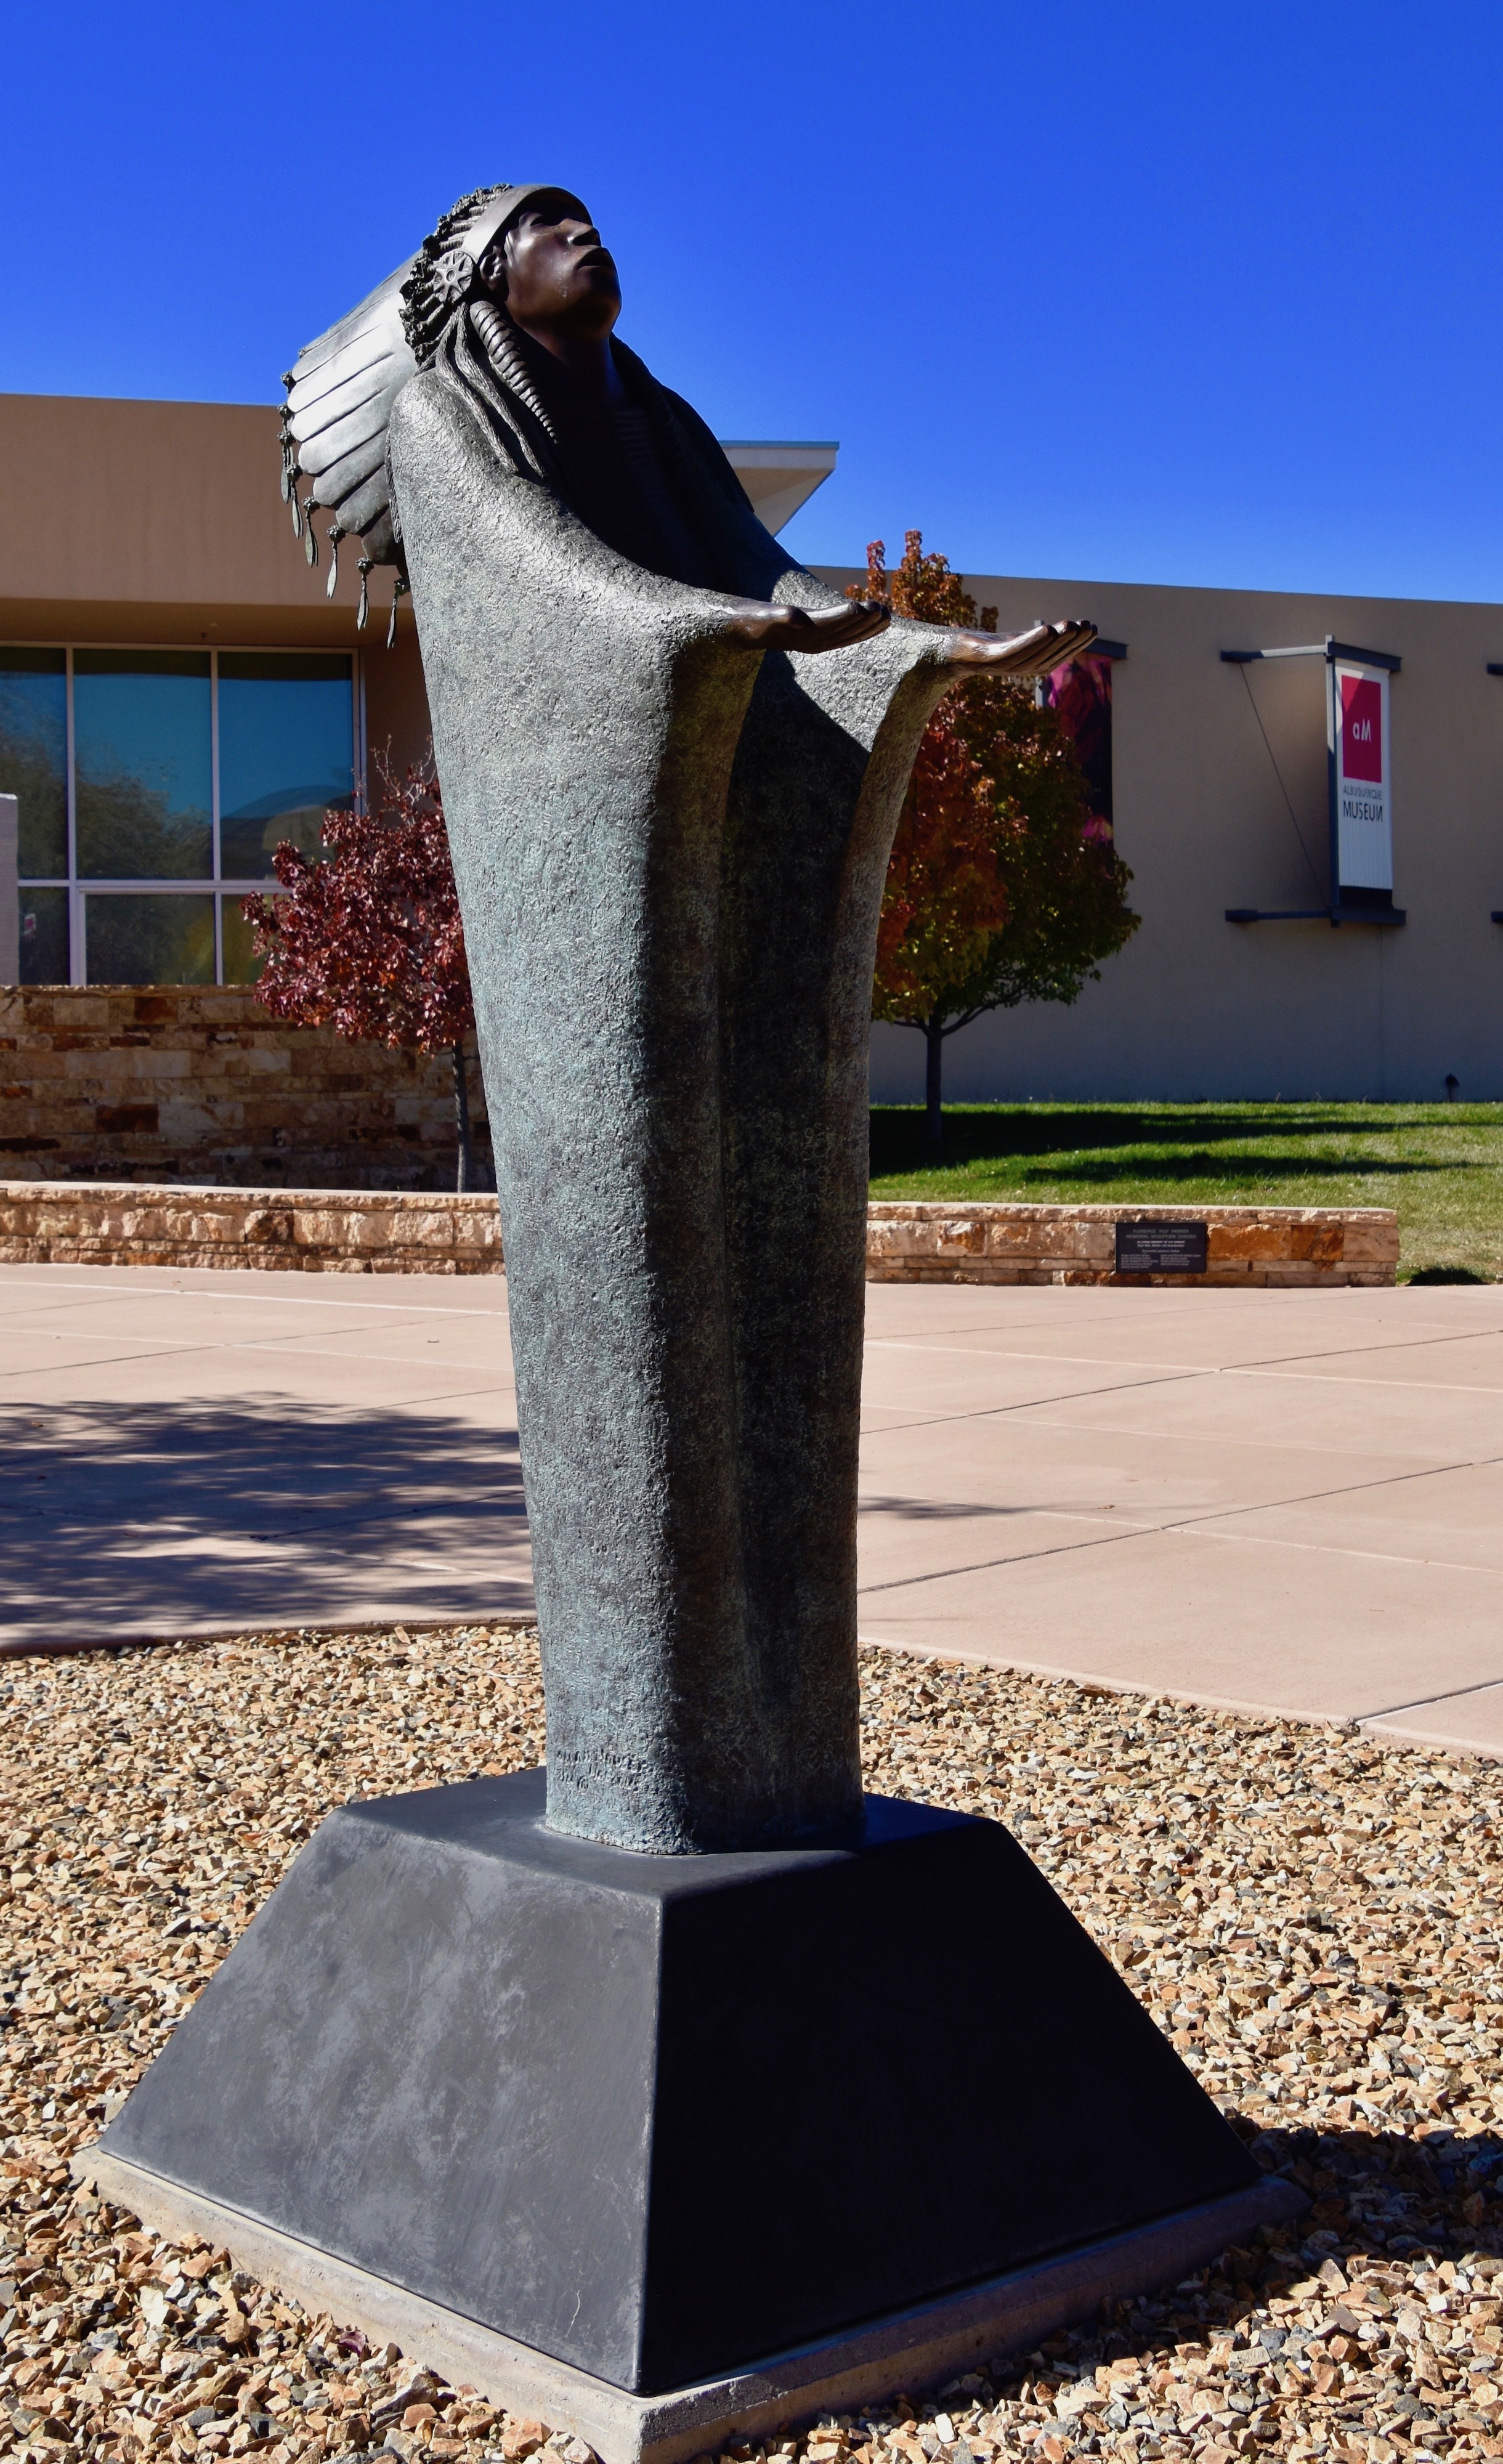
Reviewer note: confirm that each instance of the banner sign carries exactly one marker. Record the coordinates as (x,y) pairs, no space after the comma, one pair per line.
(1358,785)
(1357,737)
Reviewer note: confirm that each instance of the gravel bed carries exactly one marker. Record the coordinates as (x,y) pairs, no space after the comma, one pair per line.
(1312,1916)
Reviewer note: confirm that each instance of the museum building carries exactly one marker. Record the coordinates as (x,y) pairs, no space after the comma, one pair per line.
(178,692)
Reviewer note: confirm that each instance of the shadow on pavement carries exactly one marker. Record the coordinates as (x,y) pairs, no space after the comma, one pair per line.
(135,1520)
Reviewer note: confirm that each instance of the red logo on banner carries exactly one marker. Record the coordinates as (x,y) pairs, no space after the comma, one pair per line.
(1361,728)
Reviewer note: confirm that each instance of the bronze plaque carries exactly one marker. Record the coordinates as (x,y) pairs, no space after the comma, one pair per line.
(1148,1248)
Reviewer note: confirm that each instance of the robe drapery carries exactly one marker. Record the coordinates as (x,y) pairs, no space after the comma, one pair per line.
(670,852)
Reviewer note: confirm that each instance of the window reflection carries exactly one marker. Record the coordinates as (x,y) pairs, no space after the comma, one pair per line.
(34,755)
(286,754)
(44,937)
(161,938)
(241,966)
(145,724)
(142,760)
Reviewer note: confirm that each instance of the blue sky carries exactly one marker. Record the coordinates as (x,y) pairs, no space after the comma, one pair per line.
(1161,293)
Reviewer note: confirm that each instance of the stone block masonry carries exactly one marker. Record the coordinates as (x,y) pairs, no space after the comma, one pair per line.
(370,1231)
(294,1145)
(341,1232)
(197,1082)
(939,1242)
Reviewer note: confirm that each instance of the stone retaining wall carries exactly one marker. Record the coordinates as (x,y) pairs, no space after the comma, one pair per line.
(358,1232)
(937,1242)
(341,1232)
(196,1082)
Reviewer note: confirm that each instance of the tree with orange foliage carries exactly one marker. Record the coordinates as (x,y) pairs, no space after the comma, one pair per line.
(1001,888)
(369,939)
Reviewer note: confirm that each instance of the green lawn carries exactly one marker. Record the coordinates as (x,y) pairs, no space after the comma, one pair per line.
(1440,1164)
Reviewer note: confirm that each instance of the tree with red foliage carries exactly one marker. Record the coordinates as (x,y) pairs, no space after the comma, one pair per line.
(368,937)
(1001,887)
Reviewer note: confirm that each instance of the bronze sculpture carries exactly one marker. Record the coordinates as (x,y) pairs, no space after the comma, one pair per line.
(670,838)
(663,2136)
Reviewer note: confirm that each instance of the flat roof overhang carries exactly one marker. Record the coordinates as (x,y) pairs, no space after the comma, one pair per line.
(171,510)
(778,478)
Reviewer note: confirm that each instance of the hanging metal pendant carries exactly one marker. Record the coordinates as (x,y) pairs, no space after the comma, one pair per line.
(296,516)
(334,536)
(398,591)
(310,544)
(363,612)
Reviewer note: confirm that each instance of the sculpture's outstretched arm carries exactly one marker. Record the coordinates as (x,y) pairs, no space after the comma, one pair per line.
(788,626)
(1037,652)
(768,626)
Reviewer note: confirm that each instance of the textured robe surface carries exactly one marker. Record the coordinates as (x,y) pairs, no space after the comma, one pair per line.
(670,852)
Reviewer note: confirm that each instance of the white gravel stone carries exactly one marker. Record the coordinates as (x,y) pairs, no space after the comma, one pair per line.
(1310,1915)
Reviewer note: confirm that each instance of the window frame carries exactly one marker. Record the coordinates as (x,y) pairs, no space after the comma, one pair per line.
(214,883)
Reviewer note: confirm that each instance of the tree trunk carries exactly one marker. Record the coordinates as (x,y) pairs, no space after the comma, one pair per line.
(934,1061)
(466,1180)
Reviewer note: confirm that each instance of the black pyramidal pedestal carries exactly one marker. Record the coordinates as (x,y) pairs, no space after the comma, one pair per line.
(658,2116)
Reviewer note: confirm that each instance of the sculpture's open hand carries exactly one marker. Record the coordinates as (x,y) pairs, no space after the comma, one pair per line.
(1037,652)
(773,628)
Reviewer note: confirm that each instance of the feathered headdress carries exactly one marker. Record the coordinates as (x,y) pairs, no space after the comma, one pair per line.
(341,392)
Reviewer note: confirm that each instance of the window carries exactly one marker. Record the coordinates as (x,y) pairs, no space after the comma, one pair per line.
(34,755)
(154,786)
(143,759)
(165,938)
(285,753)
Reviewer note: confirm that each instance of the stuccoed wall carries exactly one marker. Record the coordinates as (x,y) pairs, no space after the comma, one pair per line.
(197,1083)
(1195,1007)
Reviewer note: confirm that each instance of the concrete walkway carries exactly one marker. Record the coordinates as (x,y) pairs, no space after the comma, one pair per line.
(193,1450)
(1285,1500)
(1290,1500)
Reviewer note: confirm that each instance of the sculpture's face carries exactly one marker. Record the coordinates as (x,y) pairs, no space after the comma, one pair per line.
(554,273)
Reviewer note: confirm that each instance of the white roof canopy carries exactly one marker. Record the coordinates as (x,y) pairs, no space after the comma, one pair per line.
(778,478)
